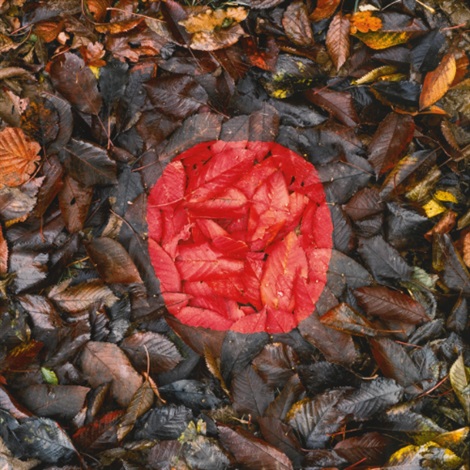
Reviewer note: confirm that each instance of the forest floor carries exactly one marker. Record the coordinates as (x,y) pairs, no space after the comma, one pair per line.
(234,234)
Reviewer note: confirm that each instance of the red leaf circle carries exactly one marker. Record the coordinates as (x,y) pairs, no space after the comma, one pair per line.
(240,237)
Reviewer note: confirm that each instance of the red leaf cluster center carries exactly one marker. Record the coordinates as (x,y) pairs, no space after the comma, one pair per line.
(240,236)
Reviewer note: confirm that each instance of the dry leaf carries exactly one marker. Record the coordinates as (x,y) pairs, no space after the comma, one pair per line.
(18,157)
(436,83)
(337,40)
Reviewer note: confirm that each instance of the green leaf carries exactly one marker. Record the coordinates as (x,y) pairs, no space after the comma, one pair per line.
(49,376)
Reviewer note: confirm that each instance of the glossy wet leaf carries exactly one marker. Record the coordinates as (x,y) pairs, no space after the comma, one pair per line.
(337,40)
(297,25)
(252,451)
(106,362)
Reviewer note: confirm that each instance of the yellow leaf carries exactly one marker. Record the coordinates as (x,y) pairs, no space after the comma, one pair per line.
(436,83)
(383,39)
(433,208)
(445,196)
(95,70)
(375,74)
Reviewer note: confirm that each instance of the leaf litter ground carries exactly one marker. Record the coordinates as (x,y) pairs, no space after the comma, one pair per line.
(99,98)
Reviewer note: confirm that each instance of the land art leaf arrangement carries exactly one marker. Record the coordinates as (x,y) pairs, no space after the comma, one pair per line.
(234,234)
(240,237)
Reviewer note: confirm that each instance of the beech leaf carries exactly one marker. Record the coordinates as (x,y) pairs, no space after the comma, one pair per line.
(337,40)
(437,83)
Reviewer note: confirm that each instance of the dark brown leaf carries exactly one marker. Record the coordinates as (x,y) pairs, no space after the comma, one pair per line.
(389,304)
(275,364)
(297,24)
(178,97)
(162,355)
(338,103)
(88,163)
(250,394)
(74,202)
(372,446)
(76,82)
(252,452)
(60,401)
(337,40)
(112,261)
(365,203)
(105,362)
(390,141)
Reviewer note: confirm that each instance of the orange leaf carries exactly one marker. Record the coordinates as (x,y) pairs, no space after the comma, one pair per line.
(3,254)
(18,157)
(324,9)
(437,82)
(337,40)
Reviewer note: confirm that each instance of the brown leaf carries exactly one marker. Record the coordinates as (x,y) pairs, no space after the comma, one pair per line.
(76,82)
(465,249)
(112,261)
(29,268)
(252,452)
(106,362)
(324,9)
(81,296)
(63,401)
(140,403)
(98,8)
(390,141)
(337,40)
(74,202)
(338,103)
(437,82)
(53,181)
(297,24)
(389,304)
(371,446)
(250,394)
(163,355)
(17,203)
(3,253)
(364,204)
(343,318)
(18,157)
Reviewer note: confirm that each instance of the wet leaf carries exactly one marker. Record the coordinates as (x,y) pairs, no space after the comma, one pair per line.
(390,305)
(18,157)
(100,433)
(297,25)
(316,419)
(60,401)
(437,82)
(337,40)
(105,362)
(372,398)
(162,353)
(3,254)
(383,260)
(141,401)
(76,82)
(178,97)
(89,164)
(370,446)
(250,394)
(459,375)
(251,451)
(112,261)
(390,141)
(74,203)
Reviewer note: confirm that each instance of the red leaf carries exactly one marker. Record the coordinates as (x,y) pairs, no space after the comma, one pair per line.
(224,243)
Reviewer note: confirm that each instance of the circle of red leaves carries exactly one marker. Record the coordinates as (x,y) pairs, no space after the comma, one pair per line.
(240,237)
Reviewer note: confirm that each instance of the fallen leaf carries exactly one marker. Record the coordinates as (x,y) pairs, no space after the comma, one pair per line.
(297,24)
(337,40)
(18,157)
(436,83)
(106,362)
(324,9)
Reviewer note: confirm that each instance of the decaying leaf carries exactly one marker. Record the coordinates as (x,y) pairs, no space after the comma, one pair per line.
(297,25)
(18,157)
(324,9)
